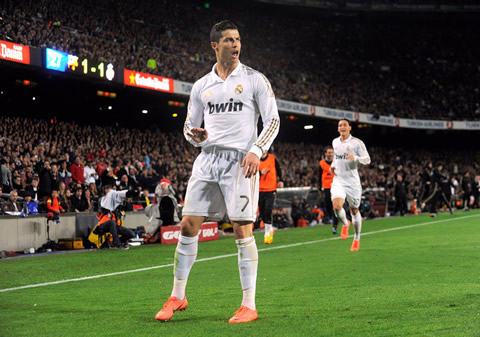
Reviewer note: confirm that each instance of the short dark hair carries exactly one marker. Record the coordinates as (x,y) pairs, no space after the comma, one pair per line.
(344,119)
(219,27)
(328,148)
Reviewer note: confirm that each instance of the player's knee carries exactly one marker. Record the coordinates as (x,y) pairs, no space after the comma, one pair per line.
(190,225)
(337,207)
(337,204)
(242,229)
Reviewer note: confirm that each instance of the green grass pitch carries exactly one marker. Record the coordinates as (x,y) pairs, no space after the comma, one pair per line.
(413,276)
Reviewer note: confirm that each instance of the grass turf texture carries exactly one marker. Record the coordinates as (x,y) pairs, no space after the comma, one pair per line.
(415,281)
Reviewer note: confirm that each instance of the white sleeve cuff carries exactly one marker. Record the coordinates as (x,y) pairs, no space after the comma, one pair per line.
(256,150)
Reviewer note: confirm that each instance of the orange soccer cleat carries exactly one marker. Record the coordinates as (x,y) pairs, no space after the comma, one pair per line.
(355,246)
(170,307)
(244,315)
(344,233)
(268,239)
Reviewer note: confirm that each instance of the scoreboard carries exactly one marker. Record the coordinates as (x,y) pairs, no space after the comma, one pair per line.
(51,59)
(64,62)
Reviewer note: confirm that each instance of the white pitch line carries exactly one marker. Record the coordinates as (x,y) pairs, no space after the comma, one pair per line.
(227,255)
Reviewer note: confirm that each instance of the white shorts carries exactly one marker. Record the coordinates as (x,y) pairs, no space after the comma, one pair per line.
(353,194)
(217,185)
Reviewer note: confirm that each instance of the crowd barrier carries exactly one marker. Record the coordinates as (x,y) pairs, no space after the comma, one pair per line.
(19,233)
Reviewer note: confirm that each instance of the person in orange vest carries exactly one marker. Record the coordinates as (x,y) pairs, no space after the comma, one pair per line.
(54,207)
(109,217)
(326,179)
(269,172)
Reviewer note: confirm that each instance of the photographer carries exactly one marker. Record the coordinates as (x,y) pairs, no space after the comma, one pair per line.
(109,218)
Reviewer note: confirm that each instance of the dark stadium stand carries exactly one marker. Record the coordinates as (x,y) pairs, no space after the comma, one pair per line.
(422,65)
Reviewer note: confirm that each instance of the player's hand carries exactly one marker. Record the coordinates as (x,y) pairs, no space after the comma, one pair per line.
(198,134)
(332,170)
(250,164)
(349,156)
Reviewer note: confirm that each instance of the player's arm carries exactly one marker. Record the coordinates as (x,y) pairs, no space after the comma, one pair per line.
(265,99)
(362,154)
(192,131)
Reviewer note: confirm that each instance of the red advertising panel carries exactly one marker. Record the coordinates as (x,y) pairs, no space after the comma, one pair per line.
(208,232)
(147,81)
(14,52)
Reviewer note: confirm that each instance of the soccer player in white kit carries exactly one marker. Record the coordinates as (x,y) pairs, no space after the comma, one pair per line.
(228,101)
(349,151)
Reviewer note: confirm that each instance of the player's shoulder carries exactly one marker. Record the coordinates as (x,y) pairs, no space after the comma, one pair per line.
(335,141)
(203,80)
(250,72)
(357,140)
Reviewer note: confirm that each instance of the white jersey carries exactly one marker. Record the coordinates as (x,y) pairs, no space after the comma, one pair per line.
(230,110)
(346,170)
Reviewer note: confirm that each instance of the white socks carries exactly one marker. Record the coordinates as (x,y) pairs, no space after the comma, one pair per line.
(341,216)
(268,228)
(247,265)
(357,225)
(185,256)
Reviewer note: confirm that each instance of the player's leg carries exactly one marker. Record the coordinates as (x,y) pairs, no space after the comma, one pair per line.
(354,197)
(338,199)
(357,227)
(185,255)
(241,201)
(341,216)
(247,266)
(203,199)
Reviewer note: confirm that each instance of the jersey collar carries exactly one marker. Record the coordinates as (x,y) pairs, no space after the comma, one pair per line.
(234,72)
(346,140)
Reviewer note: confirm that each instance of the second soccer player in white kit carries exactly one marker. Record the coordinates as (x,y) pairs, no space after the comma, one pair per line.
(348,151)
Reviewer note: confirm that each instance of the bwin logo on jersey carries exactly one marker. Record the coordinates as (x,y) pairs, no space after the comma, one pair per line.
(341,156)
(224,107)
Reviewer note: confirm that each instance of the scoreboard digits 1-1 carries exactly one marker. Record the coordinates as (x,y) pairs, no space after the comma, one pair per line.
(64,62)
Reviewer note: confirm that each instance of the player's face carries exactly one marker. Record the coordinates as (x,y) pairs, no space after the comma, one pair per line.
(344,129)
(228,48)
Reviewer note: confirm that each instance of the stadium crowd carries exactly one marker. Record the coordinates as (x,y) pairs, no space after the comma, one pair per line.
(421,69)
(39,157)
